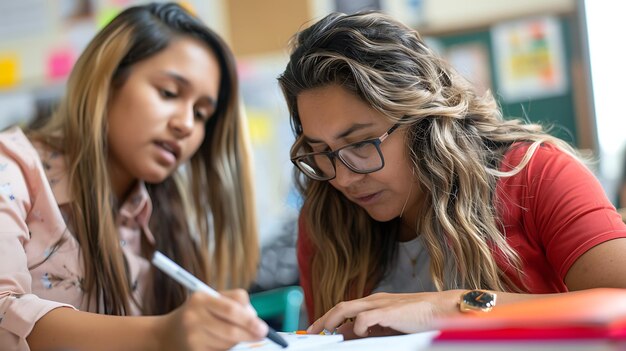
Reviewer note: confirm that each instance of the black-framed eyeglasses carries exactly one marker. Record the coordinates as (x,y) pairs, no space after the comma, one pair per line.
(361,157)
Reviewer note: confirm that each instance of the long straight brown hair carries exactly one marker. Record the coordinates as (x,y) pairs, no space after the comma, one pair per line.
(203,216)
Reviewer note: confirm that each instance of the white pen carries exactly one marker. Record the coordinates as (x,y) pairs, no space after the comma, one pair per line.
(192,283)
(180,275)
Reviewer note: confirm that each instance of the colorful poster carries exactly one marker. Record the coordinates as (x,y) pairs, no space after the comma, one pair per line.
(472,62)
(529,59)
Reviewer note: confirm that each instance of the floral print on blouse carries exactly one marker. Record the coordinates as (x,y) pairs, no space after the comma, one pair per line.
(40,264)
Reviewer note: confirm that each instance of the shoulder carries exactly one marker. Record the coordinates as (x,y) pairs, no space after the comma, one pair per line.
(15,145)
(540,154)
(18,158)
(552,184)
(20,173)
(545,160)
(543,174)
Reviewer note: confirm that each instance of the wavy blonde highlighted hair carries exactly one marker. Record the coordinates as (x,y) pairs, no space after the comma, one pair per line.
(211,206)
(456,141)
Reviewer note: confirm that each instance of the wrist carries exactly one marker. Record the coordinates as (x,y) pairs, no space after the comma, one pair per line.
(159,331)
(477,301)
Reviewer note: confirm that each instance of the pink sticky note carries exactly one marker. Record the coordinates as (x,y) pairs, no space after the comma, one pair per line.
(60,63)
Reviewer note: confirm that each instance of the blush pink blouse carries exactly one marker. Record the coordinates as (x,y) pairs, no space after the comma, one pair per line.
(40,264)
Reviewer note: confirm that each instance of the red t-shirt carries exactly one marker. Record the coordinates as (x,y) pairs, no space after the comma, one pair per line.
(553,211)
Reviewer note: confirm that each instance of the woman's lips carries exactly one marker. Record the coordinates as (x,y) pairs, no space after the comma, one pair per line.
(366,199)
(166,154)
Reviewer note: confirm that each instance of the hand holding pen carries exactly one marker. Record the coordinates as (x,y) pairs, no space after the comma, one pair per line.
(237,316)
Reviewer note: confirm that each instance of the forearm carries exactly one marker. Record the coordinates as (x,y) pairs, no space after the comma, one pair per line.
(446,303)
(406,313)
(507,298)
(64,328)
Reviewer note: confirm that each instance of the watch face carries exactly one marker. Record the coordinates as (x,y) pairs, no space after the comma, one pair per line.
(479,300)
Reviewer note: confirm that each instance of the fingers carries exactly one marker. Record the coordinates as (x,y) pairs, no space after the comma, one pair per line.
(224,335)
(242,297)
(379,314)
(348,309)
(205,323)
(235,313)
(332,319)
(347,330)
(405,317)
(366,321)
(238,295)
(222,322)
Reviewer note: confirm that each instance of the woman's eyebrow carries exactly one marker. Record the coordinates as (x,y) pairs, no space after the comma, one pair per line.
(187,84)
(341,135)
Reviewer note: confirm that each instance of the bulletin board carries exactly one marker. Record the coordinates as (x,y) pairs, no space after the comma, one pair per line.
(557,110)
(262,27)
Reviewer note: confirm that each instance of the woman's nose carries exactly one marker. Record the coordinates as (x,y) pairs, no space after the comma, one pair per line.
(182,122)
(344,177)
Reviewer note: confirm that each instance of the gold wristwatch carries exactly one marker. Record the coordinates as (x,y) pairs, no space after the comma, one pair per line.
(477,300)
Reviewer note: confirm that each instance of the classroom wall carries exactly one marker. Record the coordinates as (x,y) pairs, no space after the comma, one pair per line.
(43,37)
(446,15)
(35,29)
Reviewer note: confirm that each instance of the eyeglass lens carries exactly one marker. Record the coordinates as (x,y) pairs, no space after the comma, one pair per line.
(361,158)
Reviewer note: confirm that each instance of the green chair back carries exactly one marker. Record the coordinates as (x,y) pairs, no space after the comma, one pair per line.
(282,303)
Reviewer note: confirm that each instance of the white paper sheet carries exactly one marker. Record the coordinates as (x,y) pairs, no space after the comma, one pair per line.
(410,342)
(295,341)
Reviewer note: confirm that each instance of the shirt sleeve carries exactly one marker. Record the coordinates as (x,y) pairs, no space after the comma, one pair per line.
(572,211)
(19,308)
(305,255)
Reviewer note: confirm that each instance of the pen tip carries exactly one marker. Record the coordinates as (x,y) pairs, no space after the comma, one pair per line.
(275,337)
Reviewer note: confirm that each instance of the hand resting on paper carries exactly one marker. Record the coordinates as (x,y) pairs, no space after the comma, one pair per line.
(383,314)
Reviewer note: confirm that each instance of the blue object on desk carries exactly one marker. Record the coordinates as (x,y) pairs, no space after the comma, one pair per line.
(283,303)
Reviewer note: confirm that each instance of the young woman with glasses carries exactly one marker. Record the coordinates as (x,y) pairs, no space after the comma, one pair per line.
(414,185)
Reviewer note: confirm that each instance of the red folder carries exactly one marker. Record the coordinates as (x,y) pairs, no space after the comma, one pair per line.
(588,314)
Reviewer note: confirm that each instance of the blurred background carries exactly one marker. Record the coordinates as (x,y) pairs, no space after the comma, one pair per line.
(556,62)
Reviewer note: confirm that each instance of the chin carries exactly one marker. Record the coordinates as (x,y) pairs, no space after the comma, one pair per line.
(381,216)
(155,176)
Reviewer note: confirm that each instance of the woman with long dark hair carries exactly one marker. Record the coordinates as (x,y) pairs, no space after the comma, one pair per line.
(147,151)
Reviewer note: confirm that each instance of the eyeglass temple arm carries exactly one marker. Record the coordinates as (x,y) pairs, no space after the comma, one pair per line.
(384,136)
